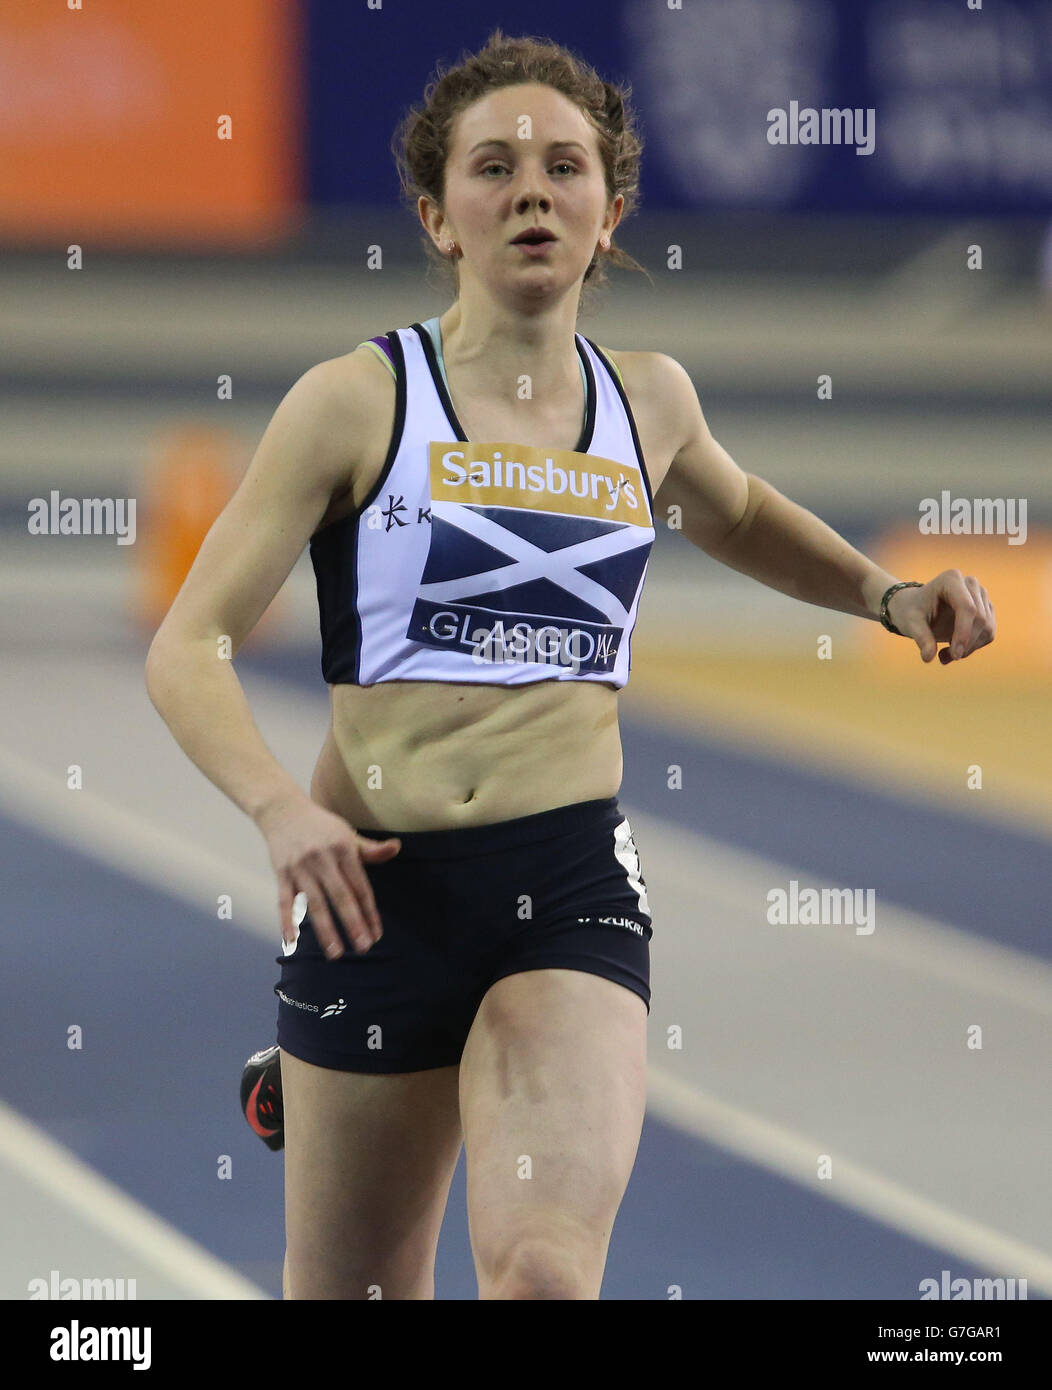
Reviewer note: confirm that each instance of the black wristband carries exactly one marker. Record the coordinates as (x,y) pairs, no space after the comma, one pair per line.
(906,584)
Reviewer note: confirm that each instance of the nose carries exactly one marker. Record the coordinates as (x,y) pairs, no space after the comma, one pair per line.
(531,197)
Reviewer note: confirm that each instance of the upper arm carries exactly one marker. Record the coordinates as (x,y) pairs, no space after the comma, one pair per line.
(307,453)
(703,480)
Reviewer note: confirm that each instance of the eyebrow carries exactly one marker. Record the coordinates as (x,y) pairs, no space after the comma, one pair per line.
(505,144)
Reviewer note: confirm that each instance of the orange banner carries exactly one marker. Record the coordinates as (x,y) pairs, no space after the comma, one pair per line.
(153,123)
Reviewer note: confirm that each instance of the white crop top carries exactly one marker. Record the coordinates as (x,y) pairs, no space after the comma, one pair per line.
(488,562)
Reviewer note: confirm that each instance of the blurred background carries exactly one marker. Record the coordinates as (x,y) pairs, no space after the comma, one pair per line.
(832,1114)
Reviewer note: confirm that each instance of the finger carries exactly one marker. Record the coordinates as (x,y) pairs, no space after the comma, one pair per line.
(359,880)
(922,634)
(958,596)
(345,902)
(967,632)
(325,928)
(378,849)
(986,625)
(286,897)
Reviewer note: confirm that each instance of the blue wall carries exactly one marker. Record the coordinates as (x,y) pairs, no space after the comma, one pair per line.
(962,98)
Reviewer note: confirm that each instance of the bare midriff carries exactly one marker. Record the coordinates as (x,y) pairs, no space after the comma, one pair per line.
(425,755)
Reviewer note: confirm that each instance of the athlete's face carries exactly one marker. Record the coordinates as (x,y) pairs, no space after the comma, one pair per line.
(520,157)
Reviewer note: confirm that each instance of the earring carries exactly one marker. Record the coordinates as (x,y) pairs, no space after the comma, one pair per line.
(604,242)
(451,246)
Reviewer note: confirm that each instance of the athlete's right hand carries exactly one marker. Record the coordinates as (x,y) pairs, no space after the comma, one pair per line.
(313,849)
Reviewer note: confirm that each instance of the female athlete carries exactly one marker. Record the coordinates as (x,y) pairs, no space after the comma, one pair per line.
(470,963)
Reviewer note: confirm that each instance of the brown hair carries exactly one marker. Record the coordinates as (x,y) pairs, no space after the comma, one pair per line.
(422,141)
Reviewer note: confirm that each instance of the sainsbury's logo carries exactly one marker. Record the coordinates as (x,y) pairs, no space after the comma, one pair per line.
(510,475)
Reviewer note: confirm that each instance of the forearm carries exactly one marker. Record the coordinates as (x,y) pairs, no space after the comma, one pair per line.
(788,548)
(200,698)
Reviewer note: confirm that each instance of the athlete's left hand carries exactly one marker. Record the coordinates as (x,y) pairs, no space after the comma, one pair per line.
(953,607)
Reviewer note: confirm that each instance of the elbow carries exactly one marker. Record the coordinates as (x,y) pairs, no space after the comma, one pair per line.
(170,652)
(152,672)
(161,654)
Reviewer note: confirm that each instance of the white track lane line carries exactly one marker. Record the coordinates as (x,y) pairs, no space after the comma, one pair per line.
(854,1186)
(124,841)
(71,1183)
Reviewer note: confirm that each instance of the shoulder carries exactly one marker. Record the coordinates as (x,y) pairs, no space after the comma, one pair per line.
(654,371)
(335,422)
(348,392)
(659,386)
(351,376)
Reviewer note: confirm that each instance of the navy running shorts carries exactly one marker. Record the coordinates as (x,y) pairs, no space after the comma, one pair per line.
(461,909)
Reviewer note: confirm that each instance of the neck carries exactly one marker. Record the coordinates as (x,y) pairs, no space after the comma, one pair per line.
(498,346)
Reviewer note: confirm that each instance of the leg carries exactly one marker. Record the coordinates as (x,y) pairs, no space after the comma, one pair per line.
(554,1072)
(368,1164)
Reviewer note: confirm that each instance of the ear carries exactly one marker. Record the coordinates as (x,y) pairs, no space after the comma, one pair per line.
(613,216)
(431,216)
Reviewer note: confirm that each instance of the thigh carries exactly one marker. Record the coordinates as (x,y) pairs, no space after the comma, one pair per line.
(368,1164)
(552,1096)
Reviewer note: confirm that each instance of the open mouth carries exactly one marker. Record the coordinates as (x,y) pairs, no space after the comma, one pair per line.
(533,239)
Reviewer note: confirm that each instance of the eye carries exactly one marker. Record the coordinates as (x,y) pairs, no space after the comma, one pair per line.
(563,164)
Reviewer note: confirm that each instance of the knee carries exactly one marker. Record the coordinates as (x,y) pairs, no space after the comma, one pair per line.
(542,1268)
